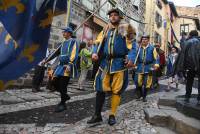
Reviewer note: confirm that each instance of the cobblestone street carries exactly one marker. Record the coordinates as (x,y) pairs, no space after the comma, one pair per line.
(37,115)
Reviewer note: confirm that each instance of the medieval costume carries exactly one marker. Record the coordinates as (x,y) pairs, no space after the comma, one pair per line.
(114,44)
(146,61)
(66,69)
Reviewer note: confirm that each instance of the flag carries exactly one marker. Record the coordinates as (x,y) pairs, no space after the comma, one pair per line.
(24,40)
(69,10)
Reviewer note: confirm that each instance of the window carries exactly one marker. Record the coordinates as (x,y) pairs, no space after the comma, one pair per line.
(158,20)
(135,4)
(104,10)
(184,28)
(159,4)
(157,38)
(89,4)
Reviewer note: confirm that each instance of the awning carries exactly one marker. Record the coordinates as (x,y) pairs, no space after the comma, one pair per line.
(99,21)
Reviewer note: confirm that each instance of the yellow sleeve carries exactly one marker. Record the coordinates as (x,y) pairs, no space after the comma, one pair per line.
(73,53)
(99,38)
(156,57)
(128,43)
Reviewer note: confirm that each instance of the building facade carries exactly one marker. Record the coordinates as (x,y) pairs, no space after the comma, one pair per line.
(188,19)
(159,16)
(81,9)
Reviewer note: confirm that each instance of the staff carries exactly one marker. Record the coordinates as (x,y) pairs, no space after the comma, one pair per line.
(53,53)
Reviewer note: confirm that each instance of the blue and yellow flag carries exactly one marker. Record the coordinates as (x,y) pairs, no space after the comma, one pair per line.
(24,40)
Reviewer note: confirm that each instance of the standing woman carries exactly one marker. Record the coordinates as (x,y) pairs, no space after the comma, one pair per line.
(170,64)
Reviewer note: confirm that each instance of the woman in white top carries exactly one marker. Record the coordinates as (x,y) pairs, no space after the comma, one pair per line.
(170,64)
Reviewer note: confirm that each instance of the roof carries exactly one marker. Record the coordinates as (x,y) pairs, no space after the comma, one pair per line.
(173,8)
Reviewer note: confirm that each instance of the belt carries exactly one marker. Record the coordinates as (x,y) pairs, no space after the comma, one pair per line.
(146,63)
(109,57)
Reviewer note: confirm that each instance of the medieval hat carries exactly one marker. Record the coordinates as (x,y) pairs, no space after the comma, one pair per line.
(145,36)
(68,29)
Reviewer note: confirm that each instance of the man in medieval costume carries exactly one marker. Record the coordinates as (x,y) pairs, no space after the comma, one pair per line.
(147,61)
(113,48)
(68,55)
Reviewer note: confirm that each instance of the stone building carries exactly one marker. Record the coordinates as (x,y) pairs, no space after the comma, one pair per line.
(81,9)
(159,15)
(188,19)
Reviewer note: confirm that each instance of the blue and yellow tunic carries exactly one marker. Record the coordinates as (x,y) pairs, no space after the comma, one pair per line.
(147,58)
(113,47)
(68,57)
(116,48)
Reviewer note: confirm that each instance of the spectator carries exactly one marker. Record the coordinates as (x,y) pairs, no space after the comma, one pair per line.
(85,64)
(159,72)
(170,64)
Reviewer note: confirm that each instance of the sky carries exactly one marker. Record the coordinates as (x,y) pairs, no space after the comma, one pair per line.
(189,3)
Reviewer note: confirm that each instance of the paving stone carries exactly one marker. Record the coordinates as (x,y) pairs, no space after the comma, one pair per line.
(7,99)
(190,109)
(156,117)
(47,95)
(169,98)
(161,130)
(183,124)
(30,97)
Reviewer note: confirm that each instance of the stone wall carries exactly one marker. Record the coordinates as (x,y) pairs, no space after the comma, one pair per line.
(136,10)
(188,11)
(186,15)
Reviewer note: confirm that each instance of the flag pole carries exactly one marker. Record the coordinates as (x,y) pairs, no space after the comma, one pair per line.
(51,55)
(69,10)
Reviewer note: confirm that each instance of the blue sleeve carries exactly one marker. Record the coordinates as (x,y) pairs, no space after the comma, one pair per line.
(133,52)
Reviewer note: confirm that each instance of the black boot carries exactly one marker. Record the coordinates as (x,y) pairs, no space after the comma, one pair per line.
(111,120)
(95,119)
(145,94)
(139,93)
(60,107)
(65,98)
(100,98)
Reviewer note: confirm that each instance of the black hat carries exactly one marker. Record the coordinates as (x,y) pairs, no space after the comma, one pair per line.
(116,10)
(145,36)
(67,29)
